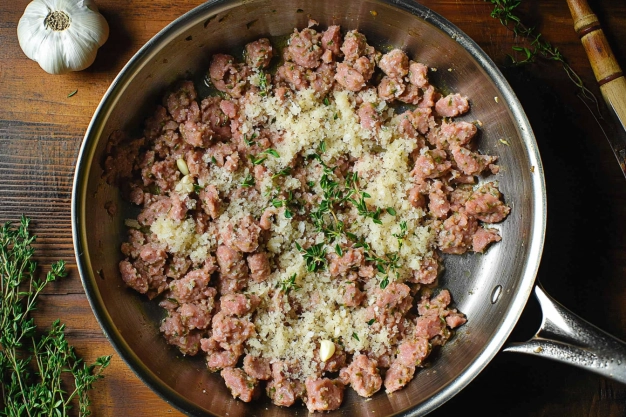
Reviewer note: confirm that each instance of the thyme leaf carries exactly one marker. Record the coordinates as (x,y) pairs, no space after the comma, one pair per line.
(287,202)
(272,152)
(256,160)
(359,202)
(289,284)
(384,283)
(282,173)
(263,84)
(277,202)
(250,142)
(400,236)
(248,181)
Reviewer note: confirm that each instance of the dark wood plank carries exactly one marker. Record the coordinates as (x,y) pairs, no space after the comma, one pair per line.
(41,129)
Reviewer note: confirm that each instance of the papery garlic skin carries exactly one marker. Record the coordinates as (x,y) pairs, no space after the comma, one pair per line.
(60,51)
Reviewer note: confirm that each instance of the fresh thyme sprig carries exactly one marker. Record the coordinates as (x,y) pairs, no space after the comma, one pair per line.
(400,236)
(503,10)
(352,180)
(315,257)
(289,284)
(282,173)
(387,266)
(286,203)
(249,142)
(272,152)
(263,84)
(336,195)
(248,181)
(324,216)
(33,373)
(256,160)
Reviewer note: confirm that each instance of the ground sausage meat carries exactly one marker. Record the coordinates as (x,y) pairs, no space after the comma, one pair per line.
(291,218)
(257,368)
(395,64)
(362,375)
(240,385)
(398,375)
(324,394)
(259,53)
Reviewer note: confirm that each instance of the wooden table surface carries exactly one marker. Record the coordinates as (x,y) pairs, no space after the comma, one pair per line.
(584,263)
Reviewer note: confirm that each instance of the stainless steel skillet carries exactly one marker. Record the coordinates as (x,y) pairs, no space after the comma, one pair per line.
(492,289)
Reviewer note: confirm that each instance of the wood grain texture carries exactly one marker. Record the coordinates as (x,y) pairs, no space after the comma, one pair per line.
(584,263)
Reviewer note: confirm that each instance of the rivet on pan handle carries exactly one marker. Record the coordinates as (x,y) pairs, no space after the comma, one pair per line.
(565,337)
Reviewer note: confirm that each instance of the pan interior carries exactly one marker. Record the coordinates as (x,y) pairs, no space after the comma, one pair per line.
(182,50)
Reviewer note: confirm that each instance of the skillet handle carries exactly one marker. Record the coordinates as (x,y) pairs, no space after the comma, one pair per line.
(567,338)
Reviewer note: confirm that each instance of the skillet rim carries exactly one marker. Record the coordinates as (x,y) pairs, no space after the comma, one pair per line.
(93,133)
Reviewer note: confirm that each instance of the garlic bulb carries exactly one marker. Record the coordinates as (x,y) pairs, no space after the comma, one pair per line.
(62,35)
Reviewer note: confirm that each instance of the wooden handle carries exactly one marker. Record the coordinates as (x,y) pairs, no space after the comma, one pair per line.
(605,67)
(587,26)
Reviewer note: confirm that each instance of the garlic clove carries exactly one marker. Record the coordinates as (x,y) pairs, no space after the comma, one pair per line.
(327,350)
(30,31)
(182,166)
(78,55)
(91,25)
(50,55)
(185,185)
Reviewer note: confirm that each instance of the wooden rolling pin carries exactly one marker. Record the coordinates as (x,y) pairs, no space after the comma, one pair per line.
(606,69)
